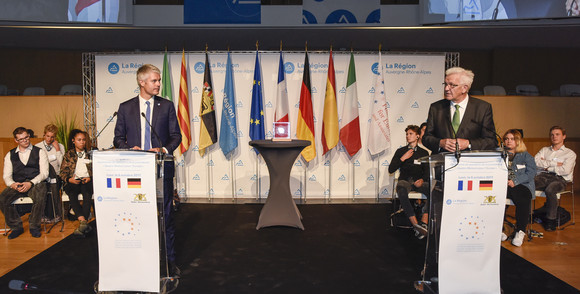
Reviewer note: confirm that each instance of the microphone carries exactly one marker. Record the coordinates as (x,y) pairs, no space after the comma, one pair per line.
(496,11)
(19,285)
(152,129)
(457,150)
(501,146)
(108,122)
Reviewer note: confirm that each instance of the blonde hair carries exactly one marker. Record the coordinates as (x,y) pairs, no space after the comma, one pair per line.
(520,145)
(144,71)
(466,75)
(50,128)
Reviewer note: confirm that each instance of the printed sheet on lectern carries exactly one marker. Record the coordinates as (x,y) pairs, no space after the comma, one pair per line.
(125,202)
(471,223)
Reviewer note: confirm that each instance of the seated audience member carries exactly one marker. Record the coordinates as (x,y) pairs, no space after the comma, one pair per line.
(76,173)
(521,173)
(55,152)
(555,168)
(413,176)
(423,127)
(25,169)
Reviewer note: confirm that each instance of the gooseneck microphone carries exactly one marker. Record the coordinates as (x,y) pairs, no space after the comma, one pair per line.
(152,129)
(108,122)
(457,150)
(501,145)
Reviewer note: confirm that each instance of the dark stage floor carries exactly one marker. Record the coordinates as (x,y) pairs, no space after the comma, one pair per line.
(346,248)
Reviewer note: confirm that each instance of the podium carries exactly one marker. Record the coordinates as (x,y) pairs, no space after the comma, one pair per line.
(280,209)
(466,212)
(128,185)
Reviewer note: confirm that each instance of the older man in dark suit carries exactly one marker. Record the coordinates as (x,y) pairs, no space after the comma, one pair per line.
(459,120)
(133,131)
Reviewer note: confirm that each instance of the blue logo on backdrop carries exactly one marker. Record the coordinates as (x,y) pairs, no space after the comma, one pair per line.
(288,67)
(341,16)
(415,105)
(308,17)
(401,91)
(375,68)
(109,90)
(448,202)
(430,91)
(199,67)
(374,16)
(113,68)
(400,120)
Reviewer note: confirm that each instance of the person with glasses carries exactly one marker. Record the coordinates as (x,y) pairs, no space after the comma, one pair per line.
(25,168)
(55,152)
(459,121)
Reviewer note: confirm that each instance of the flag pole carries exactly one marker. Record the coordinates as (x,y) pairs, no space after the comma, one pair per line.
(329,176)
(233,177)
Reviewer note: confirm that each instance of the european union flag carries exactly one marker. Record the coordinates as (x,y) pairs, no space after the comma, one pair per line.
(257,110)
(228,128)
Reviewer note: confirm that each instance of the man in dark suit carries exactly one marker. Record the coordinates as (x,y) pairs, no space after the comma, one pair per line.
(457,121)
(133,131)
(472,117)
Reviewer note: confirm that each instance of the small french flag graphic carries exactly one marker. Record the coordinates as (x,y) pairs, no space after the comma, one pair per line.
(113,182)
(464,185)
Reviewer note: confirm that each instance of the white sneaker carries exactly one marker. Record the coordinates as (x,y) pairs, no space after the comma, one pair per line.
(519,238)
(503,236)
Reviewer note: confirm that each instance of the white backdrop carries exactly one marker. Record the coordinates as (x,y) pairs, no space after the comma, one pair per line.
(412,82)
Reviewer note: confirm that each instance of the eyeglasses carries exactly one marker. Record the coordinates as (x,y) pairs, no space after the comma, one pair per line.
(23,139)
(451,86)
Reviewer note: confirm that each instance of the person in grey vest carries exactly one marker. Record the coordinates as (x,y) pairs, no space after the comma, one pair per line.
(25,169)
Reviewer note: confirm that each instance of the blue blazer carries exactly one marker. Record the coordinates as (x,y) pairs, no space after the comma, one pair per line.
(164,122)
(524,167)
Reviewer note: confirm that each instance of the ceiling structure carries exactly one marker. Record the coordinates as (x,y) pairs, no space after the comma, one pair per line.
(428,38)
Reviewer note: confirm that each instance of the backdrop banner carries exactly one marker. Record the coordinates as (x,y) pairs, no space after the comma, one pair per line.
(125,200)
(412,83)
(474,199)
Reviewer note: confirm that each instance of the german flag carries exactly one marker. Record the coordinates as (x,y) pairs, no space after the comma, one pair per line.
(134,183)
(485,185)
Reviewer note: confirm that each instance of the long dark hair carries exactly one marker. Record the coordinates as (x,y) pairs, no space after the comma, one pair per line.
(73,134)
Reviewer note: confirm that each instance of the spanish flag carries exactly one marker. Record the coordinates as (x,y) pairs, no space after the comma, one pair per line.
(330,116)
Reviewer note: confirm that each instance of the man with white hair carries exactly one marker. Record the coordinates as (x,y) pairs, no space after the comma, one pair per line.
(459,121)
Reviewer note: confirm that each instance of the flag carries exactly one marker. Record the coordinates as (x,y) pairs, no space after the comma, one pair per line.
(257,111)
(166,91)
(350,131)
(461,185)
(183,107)
(113,182)
(379,131)
(330,116)
(134,183)
(282,110)
(485,185)
(207,128)
(305,125)
(82,4)
(228,128)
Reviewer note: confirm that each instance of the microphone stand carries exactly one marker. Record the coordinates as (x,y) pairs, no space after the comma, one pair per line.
(161,156)
(108,122)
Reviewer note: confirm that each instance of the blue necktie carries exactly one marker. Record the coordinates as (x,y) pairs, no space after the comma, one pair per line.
(147,145)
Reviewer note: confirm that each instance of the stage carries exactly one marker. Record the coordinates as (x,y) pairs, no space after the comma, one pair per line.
(345,248)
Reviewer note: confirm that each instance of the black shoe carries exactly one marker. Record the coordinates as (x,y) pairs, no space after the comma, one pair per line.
(15,233)
(35,233)
(550,225)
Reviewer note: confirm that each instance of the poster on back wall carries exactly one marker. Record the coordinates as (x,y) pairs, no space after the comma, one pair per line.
(412,83)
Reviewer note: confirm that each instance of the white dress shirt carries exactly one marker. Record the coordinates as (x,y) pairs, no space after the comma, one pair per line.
(547,160)
(54,157)
(143,109)
(24,156)
(462,107)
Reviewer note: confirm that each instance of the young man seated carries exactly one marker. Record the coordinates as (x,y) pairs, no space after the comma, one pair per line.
(555,168)
(25,169)
(413,176)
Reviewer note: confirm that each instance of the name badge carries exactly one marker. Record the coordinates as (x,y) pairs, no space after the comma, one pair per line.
(416,162)
(520,166)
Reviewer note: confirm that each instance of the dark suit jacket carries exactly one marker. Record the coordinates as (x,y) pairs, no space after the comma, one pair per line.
(164,122)
(477,125)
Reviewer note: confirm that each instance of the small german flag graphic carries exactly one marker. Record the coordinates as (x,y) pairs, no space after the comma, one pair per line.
(485,185)
(134,183)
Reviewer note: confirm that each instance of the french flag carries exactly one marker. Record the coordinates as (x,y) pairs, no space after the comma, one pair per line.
(113,182)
